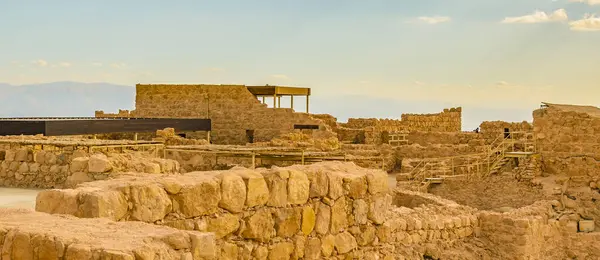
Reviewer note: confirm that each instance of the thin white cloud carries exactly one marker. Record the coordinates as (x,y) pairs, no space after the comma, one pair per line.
(40,63)
(118,65)
(434,19)
(419,83)
(559,15)
(589,2)
(64,64)
(280,76)
(97,64)
(502,83)
(589,23)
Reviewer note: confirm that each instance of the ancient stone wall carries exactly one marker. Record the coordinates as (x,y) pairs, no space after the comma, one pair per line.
(376,130)
(121,113)
(568,140)
(65,164)
(536,232)
(322,211)
(232,109)
(28,235)
(491,130)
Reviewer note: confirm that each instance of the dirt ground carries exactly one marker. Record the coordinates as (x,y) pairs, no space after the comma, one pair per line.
(495,192)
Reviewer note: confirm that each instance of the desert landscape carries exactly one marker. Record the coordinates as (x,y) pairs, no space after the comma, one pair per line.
(272,183)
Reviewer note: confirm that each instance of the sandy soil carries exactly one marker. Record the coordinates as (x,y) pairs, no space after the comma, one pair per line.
(17,198)
(492,193)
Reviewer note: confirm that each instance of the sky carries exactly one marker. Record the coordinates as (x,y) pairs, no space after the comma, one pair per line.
(479,54)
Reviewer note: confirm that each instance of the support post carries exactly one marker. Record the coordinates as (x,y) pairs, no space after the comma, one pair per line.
(253,160)
(292,101)
(263,99)
(208,136)
(95,136)
(135,137)
(302,159)
(307,102)
(274,100)
(279,102)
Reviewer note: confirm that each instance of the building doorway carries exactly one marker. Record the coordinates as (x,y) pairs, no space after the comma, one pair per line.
(506,133)
(250,136)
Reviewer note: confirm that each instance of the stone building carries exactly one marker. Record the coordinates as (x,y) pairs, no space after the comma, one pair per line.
(237,114)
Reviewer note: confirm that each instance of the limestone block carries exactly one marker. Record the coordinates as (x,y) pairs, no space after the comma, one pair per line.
(379,207)
(150,202)
(256,187)
(79,164)
(281,251)
(233,192)
(105,204)
(34,167)
(23,168)
(261,253)
(586,226)
(299,247)
(366,236)
(223,225)
(229,251)
(312,250)
(99,163)
(339,219)
(345,242)
(378,182)
(356,186)
(308,220)
(277,183)
(384,233)
(323,218)
(77,178)
(78,251)
(298,188)
(199,199)
(21,155)
(49,158)
(151,168)
(10,155)
(57,202)
(319,184)
(327,245)
(259,226)
(287,221)
(336,189)
(360,210)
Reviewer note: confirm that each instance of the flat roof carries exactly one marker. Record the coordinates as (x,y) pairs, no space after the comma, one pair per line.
(278,90)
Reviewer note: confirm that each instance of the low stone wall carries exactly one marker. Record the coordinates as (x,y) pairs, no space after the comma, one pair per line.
(536,232)
(325,210)
(28,235)
(65,164)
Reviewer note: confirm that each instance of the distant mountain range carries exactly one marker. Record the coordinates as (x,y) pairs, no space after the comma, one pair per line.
(68,99)
(64,99)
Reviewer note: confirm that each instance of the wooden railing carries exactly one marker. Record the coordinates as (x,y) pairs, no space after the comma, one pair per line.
(478,164)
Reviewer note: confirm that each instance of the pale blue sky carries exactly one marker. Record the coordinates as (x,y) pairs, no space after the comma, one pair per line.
(456,52)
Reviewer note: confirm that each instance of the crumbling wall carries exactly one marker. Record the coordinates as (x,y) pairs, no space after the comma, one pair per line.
(67,164)
(492,130)
(325,210)
(232,109)
(375,130)
(25,235)
(568,140)
(121,113)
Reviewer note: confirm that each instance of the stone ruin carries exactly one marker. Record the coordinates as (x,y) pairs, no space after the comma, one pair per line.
(512,190)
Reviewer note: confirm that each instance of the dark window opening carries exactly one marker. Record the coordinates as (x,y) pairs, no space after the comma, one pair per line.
(182,135)
(250,136)
(506,133)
